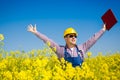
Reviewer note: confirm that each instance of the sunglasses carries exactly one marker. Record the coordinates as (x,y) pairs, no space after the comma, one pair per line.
(71,36)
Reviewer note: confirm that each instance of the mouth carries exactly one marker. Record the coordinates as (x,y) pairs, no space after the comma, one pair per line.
(73,40)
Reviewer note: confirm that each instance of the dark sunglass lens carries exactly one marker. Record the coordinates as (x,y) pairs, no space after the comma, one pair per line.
(71,36)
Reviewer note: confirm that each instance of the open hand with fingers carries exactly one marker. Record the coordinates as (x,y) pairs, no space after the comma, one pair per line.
(32,28)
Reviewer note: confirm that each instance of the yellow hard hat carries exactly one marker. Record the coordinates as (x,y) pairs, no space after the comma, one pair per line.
(69,31)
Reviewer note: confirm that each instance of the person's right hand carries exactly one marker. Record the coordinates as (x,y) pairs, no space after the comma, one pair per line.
(32,28)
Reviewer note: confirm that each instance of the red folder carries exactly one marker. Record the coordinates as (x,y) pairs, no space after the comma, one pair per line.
(109,19)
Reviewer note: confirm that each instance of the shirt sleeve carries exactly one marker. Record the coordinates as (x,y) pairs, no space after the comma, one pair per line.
(55,47)
(89,43)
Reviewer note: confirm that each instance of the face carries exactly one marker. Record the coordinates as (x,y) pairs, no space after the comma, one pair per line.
(71,39)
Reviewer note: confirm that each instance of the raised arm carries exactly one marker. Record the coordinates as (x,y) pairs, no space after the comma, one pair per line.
(89,43)
(53,45)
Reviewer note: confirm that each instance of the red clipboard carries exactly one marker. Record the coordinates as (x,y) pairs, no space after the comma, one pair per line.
(109,19)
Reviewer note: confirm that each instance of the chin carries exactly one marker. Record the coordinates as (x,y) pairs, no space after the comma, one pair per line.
(74,43)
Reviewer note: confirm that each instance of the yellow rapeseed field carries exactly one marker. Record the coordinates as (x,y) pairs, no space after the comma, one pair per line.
(39,65)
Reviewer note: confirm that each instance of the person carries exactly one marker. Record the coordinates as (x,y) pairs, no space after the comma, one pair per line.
(71,51)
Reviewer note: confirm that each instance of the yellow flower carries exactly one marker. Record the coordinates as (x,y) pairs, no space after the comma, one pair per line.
(48,43)
(1,37)
(7,75)
(22,75)
(54,49)
(89,54)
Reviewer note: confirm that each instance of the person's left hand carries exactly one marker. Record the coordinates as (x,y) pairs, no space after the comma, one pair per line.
(104,27)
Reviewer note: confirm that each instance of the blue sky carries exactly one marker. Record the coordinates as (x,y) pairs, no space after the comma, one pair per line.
(52,18)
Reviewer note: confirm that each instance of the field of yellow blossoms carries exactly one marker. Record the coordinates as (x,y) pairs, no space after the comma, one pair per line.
(44,65)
